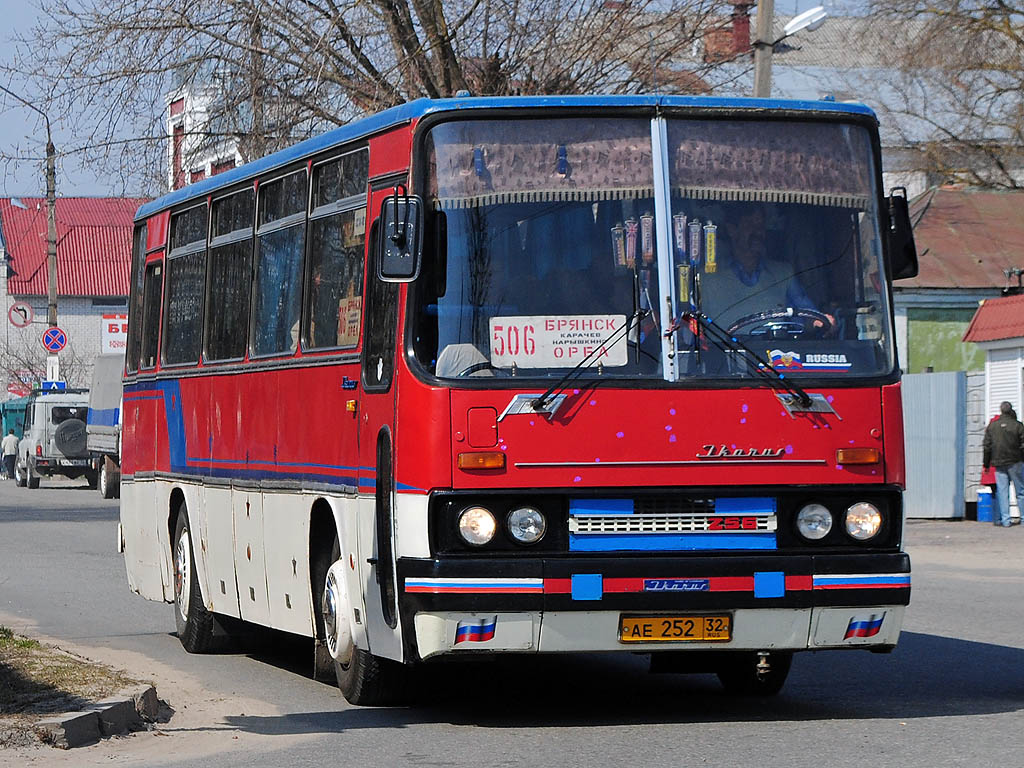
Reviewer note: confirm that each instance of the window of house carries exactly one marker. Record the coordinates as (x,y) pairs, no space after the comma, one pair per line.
(337,237)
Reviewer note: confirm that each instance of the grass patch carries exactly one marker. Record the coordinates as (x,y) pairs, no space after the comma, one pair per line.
(37,680)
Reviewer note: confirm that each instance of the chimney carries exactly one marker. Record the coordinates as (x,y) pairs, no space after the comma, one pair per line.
(741,25)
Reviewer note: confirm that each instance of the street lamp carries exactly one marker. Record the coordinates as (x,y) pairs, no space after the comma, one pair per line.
(51,211)
(809,20)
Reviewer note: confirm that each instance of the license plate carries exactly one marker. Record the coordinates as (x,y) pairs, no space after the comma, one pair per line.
(716,628)
(73,462)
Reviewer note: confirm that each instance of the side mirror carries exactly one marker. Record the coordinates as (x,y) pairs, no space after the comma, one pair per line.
(401,237)
(902,251)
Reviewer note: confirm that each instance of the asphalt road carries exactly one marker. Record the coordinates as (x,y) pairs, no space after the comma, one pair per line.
(951,694)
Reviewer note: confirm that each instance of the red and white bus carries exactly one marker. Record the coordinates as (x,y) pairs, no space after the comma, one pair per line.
(528,375)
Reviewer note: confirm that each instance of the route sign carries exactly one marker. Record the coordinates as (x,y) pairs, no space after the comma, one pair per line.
(53,386)
(54,340)
(20,314)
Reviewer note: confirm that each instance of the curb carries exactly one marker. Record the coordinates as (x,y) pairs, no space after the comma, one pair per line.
(118,714)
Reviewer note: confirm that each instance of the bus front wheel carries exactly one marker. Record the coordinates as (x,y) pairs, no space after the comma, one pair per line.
(755,674)
(194,622)
(364,679)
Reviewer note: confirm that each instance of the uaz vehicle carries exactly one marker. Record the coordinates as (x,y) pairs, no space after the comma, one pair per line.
(54,439)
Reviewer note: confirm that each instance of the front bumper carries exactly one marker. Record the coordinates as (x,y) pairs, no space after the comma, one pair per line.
(560,604)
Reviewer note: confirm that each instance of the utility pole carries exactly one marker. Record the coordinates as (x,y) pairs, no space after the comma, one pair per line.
(763,46)
(52,361)
(51,229)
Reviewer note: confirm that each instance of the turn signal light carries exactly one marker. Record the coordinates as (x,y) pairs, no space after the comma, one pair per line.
(482,460)
(858,456)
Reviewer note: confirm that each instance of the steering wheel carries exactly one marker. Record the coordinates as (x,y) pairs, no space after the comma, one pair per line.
(787,323)
(476,367)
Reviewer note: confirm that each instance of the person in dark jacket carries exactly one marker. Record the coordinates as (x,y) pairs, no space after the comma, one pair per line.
(1004,450)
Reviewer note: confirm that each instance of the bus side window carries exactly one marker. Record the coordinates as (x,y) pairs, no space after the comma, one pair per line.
(151,314)
(186,279)
(135,305)
(337,236)
(230,276)
(280,243)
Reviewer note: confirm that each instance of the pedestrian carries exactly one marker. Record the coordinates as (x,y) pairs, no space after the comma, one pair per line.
(1004,449)
(9,448)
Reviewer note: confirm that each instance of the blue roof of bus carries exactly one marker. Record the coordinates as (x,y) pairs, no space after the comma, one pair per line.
(419,108)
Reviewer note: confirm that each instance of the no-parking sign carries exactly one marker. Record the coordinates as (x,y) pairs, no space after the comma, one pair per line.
(54,340)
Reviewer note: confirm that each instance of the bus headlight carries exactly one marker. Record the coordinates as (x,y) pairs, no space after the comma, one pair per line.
(526,525)
(477,526)
(863,520)
(814,521)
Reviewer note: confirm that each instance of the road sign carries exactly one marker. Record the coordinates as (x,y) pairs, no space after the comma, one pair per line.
(53,386)
(54,340)
(20,314)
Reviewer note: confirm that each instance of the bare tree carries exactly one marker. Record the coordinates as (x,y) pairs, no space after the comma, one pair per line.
(955,86)
(23,361)
(284,69)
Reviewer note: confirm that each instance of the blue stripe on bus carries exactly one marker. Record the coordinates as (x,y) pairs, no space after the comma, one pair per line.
(665,542)
(745,506)
(600,506)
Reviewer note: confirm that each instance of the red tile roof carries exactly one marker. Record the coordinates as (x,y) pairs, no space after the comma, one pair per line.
(966,238)
(93,245)
(996,319)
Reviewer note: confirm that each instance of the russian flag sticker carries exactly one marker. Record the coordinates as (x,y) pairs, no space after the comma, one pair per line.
(476,630)
(864,627)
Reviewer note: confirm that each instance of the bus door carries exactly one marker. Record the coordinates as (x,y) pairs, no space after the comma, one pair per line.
(376,441)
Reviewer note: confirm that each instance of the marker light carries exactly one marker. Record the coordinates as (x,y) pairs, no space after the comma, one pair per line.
(863,520)
(477,526)
(482,460)
(526,525)
(814,522)
(858,456)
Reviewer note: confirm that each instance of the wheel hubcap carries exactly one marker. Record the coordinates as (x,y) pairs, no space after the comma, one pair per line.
(335,612)
(182,576)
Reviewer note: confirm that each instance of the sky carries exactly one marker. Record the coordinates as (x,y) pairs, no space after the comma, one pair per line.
(21,127)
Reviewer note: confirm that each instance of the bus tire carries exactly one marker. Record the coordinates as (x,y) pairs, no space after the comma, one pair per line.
(364,679)
(371,681)
(740,676)
(194,622)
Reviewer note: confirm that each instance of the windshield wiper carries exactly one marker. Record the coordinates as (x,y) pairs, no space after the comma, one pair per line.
(541,401)
(757,365)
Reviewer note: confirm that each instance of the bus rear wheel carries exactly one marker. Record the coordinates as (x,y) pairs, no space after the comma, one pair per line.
(194,622)
(364,679)
(755,674)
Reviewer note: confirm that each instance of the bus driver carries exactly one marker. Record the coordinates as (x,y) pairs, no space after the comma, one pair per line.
(747,281)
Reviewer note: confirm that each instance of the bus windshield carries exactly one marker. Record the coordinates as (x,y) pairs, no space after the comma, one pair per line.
(769,231)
